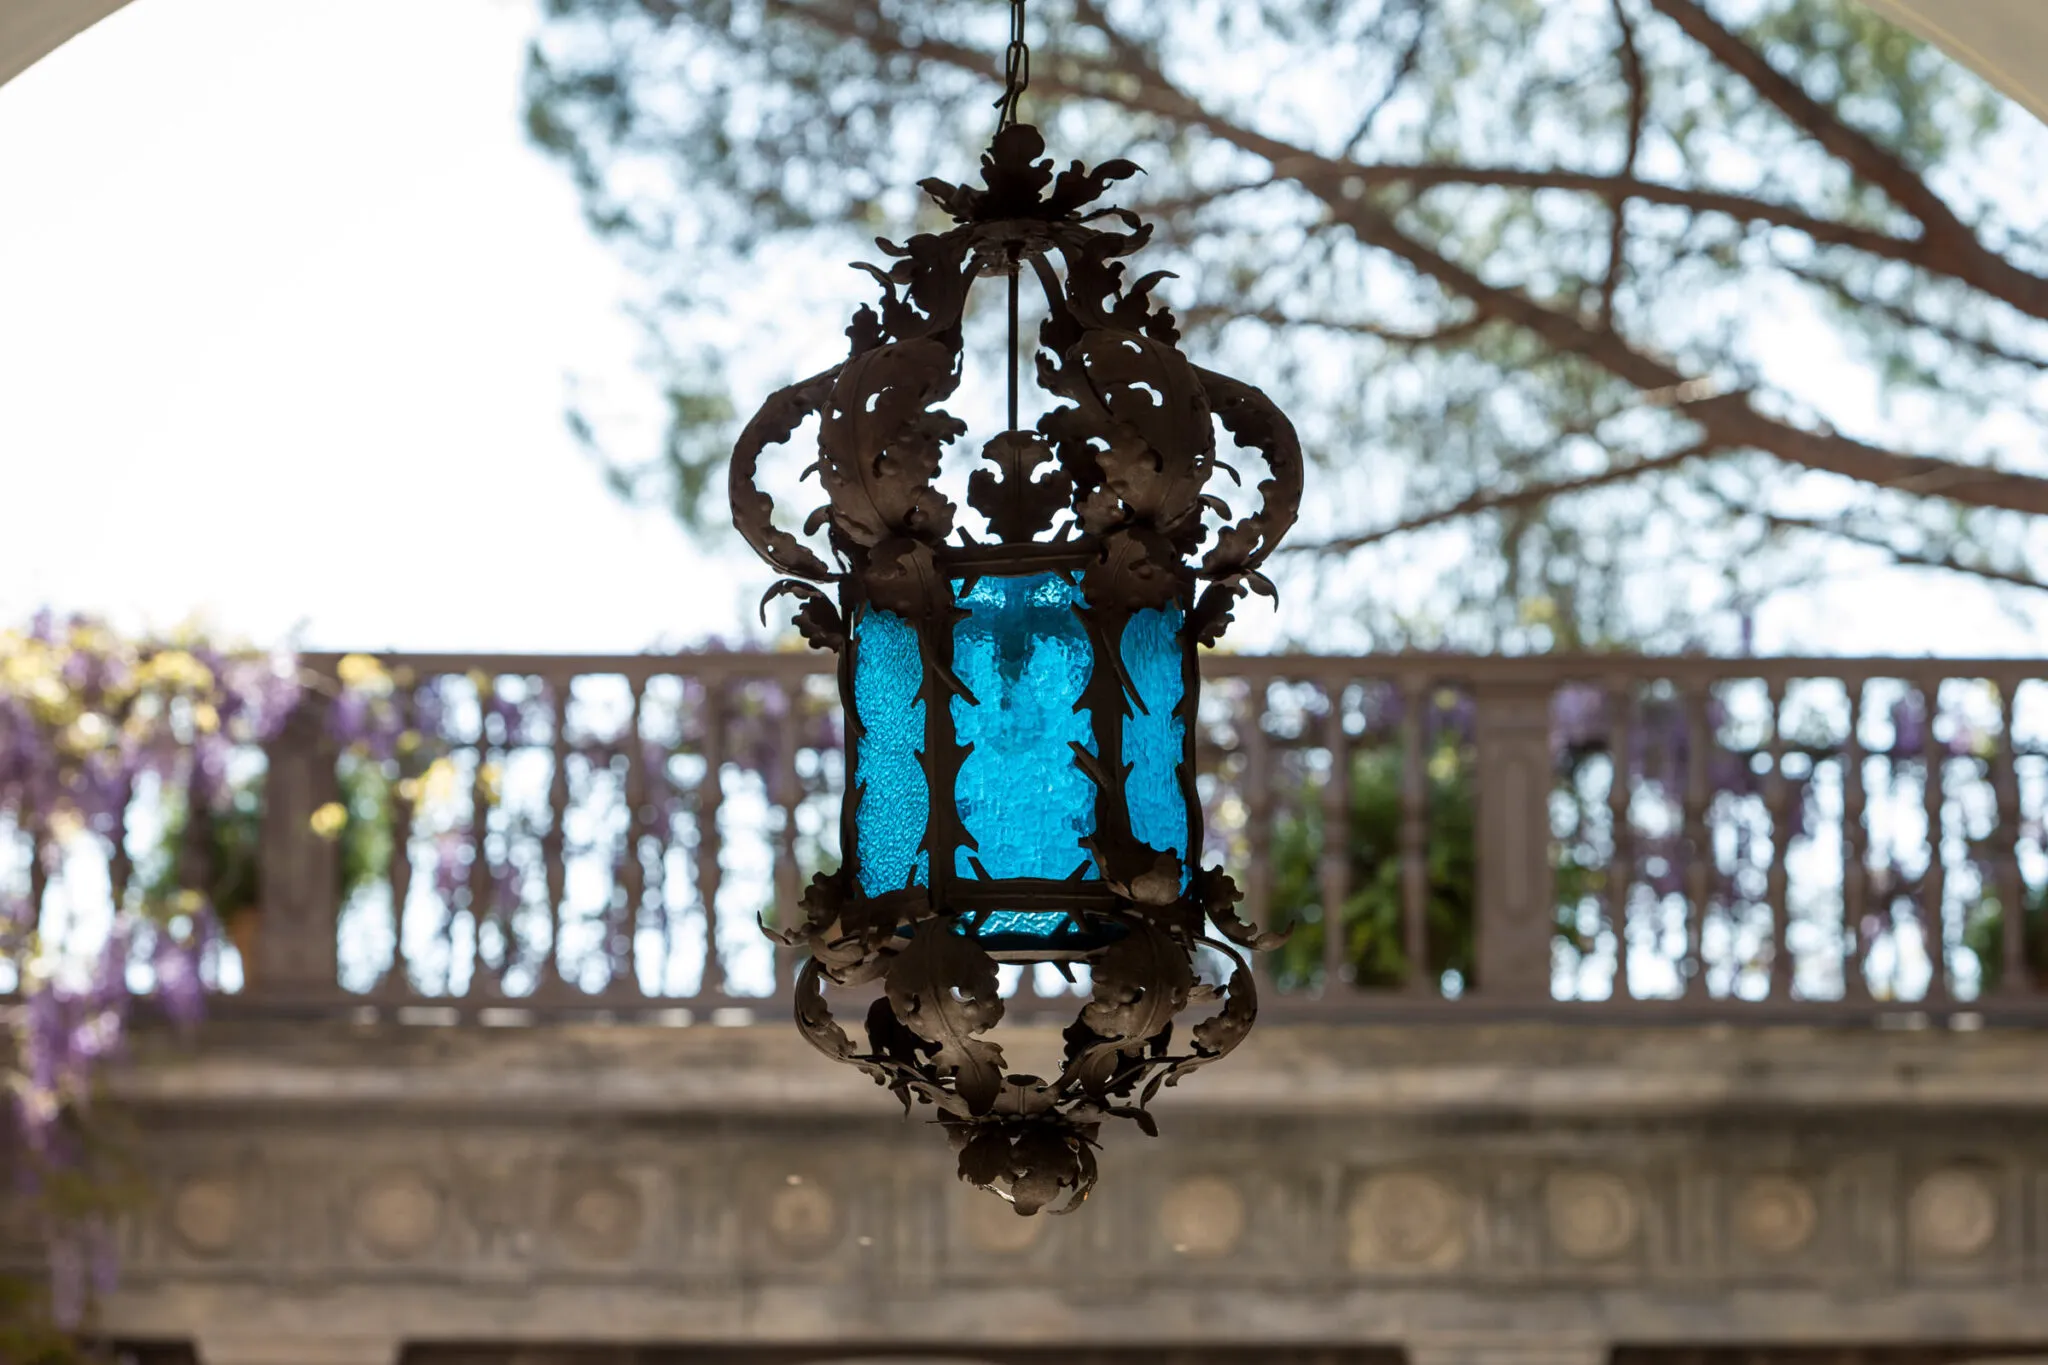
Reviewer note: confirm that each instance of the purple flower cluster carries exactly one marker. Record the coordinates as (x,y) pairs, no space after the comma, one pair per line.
(88,719)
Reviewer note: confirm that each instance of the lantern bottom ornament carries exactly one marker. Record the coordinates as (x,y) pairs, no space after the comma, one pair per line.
(1020,704)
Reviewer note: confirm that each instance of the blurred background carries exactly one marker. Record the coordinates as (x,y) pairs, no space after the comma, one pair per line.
(324,316)
(376,658)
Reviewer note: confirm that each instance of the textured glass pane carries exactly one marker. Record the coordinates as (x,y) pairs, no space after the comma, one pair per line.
(1025,656)
(1024,924)
(895,802)
(1155,742)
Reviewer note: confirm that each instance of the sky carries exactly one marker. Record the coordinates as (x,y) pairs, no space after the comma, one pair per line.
(287,314)
(289,310)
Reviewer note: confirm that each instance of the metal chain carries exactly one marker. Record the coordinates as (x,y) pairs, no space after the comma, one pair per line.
(1016,68)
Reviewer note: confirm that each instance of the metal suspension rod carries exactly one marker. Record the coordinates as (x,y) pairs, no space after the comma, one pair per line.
(1015,275)
(1016,79)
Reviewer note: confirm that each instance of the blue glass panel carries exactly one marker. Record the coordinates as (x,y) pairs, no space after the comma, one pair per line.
(1023,924)
(1025,656)
(895,803)
(1155,742)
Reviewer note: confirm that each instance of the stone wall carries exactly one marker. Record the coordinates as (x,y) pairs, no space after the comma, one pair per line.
(1526,1195)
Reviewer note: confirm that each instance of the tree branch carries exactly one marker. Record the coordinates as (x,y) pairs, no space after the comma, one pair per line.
(1638,108)
(1947,236)
(1203,314)
(2024,291)
(1741,207)
(1489,501)
(1726,420)
(1906,317)
(1402,70)
(1915,558)
(1122,50)
(1192,203)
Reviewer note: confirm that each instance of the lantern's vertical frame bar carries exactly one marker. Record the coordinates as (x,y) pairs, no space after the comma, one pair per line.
(1107,701)
(1191,711)
(2017,977)
(945,833)
(851,607)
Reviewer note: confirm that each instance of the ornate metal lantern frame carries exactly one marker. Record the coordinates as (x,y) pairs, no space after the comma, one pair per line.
(1076,627)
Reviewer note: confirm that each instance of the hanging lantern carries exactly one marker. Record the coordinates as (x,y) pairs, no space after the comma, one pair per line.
(1020,706)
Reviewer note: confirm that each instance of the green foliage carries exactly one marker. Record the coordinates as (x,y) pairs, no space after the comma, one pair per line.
(1373,927)
(27,1335)
(1984,935)
(364,852)
(82,1198)
(1374,933)
(223,860)
(218,862)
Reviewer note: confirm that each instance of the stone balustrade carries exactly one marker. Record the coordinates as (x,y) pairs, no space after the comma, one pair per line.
(1661,1032)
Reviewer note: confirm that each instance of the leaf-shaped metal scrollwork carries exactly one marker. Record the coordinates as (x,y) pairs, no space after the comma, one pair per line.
(753,512)
(1255,422)
(1135,568)
(1215,891)
(943,988)
(881,440)
(817,620)
(1141,982)
(1018,506)
(1045,1162)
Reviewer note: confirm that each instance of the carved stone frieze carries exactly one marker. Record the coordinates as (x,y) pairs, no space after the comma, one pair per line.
(598,1216)
(1952,1215)
(803,1217)
(206,1214)
(1406,1221)
(1403,1203)
(988,1225)
(1774,1215)
(1592,1215)
(398,1214)
(1202,1217)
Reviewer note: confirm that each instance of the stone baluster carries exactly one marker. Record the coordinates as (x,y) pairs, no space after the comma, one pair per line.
(300,870)
(1516,910)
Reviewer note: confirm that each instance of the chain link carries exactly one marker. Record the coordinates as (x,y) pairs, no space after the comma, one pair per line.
(1016,68)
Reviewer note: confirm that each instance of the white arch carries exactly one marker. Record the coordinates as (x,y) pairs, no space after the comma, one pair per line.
(2004,41)
(31,30)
